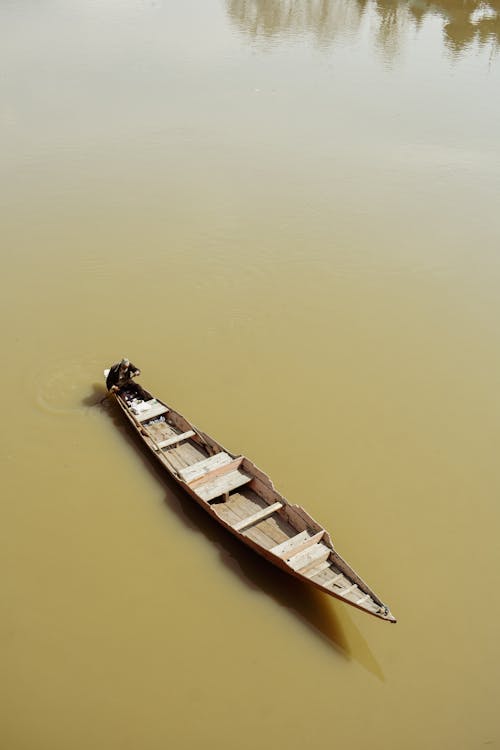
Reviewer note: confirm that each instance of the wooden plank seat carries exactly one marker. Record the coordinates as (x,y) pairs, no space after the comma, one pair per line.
(200,468)
(156,410)
(296,544)
(317,569)
(174,440)
(349,590)
(221,484)
(309,557)
(256,517)
(363,599)
(225,468)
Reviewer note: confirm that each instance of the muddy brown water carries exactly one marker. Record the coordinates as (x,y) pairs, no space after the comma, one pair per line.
(286,213)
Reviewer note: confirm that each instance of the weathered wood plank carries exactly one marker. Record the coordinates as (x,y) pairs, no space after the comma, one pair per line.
(290,543)
(349,590)
(222,484)
(154,411)
(190,473)
(258,535)
(317,569)
(310,556)
(189,451)
(182,455)
(296,544)
(363,599)
(273,526)
(159,430)
(334,580)
(175,439)
(256,517)
(226,514)
(244,503)
(274,531)
(209,475)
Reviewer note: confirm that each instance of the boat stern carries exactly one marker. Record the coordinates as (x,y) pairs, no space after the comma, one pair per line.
(120,374)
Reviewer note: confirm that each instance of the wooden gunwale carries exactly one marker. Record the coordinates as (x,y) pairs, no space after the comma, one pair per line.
(266,490)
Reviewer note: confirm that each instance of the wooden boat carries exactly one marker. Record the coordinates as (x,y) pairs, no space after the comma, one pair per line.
(244,500)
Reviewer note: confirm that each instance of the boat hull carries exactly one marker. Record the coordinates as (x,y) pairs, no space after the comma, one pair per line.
(242,498)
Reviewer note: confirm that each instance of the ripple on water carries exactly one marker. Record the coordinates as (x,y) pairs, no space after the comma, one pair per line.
(65,387)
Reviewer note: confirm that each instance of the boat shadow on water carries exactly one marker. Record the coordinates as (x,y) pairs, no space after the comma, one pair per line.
(310,606)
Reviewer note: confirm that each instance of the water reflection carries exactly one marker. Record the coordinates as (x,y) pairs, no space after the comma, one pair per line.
(463,22)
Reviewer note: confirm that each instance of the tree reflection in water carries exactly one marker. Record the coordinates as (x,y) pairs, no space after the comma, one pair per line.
(464,21)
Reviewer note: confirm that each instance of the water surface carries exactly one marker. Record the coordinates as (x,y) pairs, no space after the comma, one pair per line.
(286,213)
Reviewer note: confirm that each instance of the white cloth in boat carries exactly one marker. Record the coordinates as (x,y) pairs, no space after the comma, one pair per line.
(138,407)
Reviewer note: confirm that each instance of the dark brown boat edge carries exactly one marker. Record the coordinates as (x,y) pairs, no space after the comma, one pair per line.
(240,496)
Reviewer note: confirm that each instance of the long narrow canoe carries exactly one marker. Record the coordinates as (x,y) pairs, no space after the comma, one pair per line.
(244,500)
